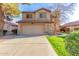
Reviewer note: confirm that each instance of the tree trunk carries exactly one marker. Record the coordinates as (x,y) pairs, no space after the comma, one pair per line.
(1,19)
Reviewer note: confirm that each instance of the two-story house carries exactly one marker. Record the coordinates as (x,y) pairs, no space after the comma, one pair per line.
(37,22)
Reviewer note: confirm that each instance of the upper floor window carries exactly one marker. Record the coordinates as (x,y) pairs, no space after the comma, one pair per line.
(42,15)
(29,16)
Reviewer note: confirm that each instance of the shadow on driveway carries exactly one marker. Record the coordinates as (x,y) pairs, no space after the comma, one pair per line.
(19,36)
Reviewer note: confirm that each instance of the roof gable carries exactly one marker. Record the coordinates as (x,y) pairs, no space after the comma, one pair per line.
(43,9)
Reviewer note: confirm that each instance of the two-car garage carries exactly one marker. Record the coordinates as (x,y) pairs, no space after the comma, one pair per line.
(33,29)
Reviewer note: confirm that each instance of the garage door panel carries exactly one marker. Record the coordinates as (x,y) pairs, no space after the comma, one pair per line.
(33,29)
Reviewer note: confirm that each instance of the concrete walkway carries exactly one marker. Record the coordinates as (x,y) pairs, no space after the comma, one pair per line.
(27,46)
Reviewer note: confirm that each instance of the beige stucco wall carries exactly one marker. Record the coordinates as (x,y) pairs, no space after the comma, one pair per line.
(35,15)
(46,28)
(24,16)
(42,19)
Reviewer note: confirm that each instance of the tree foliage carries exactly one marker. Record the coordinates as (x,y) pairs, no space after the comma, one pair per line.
(11,8)
(72,43)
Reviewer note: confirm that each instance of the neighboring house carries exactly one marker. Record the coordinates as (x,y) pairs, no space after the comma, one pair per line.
(71,26)
(39,21)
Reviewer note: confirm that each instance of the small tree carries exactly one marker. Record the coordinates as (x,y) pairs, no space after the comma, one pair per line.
(66,9)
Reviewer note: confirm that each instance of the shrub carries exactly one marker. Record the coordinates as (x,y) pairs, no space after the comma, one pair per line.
(72,43)
(77,28)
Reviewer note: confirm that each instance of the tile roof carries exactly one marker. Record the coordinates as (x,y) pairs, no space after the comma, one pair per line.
(75,23)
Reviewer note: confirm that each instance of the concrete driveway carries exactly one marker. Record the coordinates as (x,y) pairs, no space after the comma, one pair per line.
(25,46)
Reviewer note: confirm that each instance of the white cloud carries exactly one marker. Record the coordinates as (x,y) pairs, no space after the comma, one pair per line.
(75,16)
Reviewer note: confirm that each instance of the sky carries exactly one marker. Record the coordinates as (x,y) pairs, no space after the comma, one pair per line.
(35,6)
(74,17)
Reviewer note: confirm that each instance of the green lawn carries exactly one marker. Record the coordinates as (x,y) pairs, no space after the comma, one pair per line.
(58,44)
